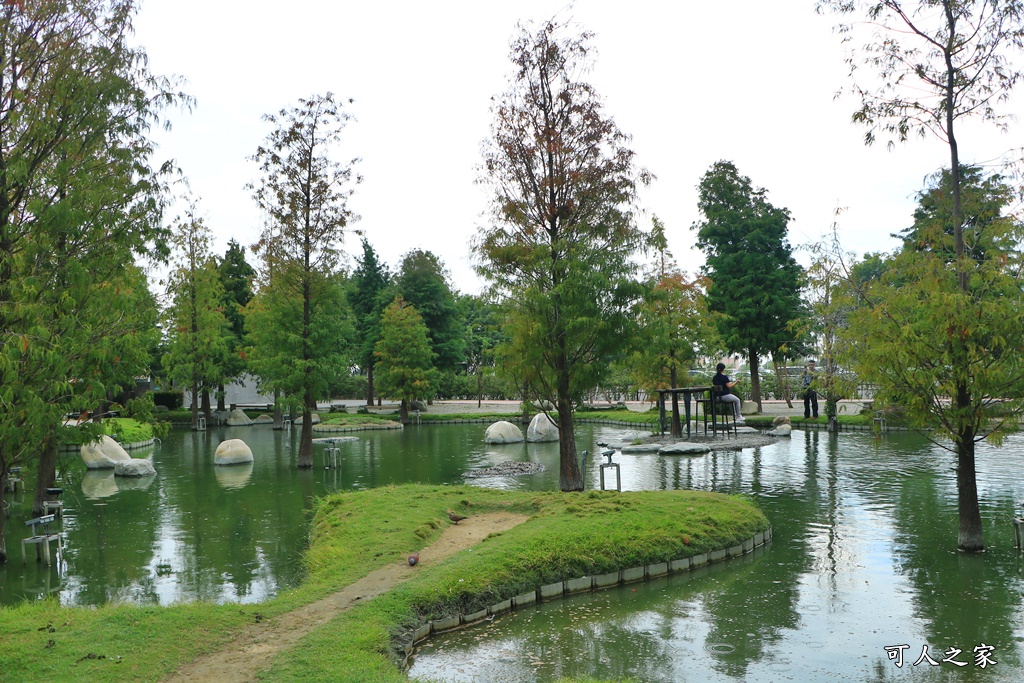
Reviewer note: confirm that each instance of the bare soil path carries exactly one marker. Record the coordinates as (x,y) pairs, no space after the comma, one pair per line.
(254,648)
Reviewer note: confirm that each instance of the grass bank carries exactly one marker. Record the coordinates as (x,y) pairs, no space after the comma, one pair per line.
(353,533)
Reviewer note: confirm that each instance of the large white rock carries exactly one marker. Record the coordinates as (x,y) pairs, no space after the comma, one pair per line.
(314,419)
(264,420)
(238,418)
(684,448)
(541,429)
(782,430)
(503,432)
(103,454)
(232,452)
(134,467)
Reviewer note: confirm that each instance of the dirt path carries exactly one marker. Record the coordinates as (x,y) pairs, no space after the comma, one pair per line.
(256,645)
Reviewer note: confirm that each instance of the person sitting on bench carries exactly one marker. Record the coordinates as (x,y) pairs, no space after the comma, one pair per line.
(723,394)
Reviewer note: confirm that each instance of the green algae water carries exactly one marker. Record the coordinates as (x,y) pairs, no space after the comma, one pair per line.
(861,581)
(197,531)
(862,570)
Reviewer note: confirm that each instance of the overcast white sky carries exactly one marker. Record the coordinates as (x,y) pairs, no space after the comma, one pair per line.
(749,81)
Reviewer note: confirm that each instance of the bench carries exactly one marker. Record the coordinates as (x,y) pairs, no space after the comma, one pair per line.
(41,540)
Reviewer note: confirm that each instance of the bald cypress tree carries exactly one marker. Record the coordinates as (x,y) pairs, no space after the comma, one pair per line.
(755,282)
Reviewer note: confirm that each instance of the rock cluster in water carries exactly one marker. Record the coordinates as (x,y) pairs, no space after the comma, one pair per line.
(509,468)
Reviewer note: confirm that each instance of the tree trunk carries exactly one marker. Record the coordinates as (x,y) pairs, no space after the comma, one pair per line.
(278,419)
(207,412)
(403,412)
(305,458)
(755,381)
(570,478)
(676,428)
(479,388)
(969,536)
(369,385)
(195,406)
(45,473)
(220,399)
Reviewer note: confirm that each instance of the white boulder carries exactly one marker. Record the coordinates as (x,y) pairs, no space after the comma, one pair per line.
(314,419)
(134,467)
(238,418)
(503,432)
(782,430)
(103,454)
(232,452)
(264,420)
(541,429)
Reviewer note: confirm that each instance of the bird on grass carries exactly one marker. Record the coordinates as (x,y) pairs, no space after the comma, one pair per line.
(414,559)
(454,517)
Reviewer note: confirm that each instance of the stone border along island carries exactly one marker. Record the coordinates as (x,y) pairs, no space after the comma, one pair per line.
(584,584)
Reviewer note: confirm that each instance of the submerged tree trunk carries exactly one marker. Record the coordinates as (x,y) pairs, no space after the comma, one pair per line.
(278,419)
(403,412)
(3,518)
(305,458)
(220,399)
(45,473)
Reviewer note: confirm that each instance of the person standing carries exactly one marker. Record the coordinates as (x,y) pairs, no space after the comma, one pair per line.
(725,396)
(810,376)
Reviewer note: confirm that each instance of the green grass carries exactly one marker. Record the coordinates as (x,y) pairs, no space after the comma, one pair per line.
(357,420)
(352,533)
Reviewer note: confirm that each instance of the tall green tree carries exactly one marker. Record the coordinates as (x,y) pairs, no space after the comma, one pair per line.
(922,339)
(423,281)
(755,281)
(236,279)
(367,297)
(198,332)
(305,193)
(405,359)
(939,62)
(562,246)
(78,201)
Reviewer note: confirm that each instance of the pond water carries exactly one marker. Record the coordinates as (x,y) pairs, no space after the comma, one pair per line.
(197,531)
(863,559)
(863,555)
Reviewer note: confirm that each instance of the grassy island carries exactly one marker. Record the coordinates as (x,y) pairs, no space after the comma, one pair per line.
(563,536)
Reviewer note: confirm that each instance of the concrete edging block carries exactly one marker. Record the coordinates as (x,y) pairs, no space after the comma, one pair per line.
(474,617)
(552,590)
(682,565)
(446,624)
(632,575)
(501,607)
(658,569)
(759,538)
(524,599)
(716,555)
(580,585)
(422,633)
(735,551)
(699,560)
(748,545)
